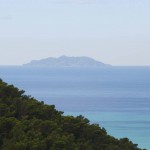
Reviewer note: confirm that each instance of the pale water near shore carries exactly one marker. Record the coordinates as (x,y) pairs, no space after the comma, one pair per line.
(117,98)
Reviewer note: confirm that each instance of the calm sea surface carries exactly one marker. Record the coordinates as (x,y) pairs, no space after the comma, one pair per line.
(117,98)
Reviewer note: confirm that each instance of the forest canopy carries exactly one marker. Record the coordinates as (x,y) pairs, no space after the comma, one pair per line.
(28,124)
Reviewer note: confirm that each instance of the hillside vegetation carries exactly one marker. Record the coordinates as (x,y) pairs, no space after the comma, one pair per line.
(27,124)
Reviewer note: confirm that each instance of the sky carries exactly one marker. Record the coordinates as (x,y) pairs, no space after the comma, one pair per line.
(115,32)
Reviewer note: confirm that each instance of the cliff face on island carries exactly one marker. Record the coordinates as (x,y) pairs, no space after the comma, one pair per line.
(28,124)
(65,61)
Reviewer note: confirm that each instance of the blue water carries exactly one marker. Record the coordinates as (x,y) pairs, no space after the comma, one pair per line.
(117,98)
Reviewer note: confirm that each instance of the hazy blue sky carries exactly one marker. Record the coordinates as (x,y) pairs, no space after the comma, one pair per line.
(112,31)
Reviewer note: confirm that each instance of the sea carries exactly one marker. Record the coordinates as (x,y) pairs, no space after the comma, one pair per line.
(116,98)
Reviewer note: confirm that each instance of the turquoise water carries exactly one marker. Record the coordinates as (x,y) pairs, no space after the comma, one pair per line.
(117,98)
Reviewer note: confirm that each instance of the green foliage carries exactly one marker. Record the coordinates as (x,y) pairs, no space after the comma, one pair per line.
(26,124)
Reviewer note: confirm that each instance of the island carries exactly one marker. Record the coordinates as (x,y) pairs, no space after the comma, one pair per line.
(66,61)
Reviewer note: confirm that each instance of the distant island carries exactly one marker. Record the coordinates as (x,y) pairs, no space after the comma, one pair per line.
(65,61)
